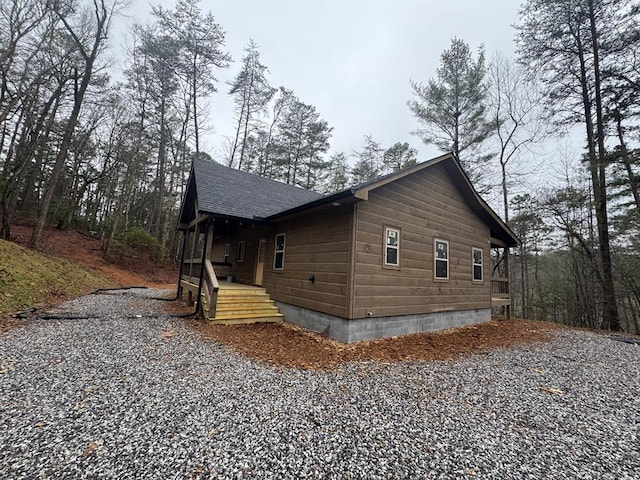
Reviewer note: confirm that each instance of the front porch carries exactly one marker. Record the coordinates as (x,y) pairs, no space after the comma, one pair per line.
(221,259)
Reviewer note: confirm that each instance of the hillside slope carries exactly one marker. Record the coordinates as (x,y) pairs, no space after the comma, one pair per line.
(31,279)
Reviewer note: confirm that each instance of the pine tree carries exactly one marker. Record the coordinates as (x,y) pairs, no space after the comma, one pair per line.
(252,93)
(200,41)
(398,156)
(369,163)
(452,108)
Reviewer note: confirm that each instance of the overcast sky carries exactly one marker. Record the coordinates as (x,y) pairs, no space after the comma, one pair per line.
(351,59)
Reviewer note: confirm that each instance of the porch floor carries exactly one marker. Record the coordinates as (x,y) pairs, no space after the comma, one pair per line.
(500,302)
(238,303)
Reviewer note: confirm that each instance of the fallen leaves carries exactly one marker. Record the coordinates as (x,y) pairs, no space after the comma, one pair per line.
(552,391)
(167,333)
(5,367)
(286,345)
(90,449)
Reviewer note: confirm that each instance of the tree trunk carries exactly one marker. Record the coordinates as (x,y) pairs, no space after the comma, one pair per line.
(194,87)
(634,184)
(243,146)
(610,318)
(102,17)
(161,167)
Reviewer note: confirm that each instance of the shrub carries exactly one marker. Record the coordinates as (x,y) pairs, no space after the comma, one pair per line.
(134,243)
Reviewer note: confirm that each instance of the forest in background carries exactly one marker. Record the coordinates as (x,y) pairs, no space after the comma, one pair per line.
(80,149)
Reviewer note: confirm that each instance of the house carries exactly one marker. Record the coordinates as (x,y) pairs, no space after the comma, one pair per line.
(404,253)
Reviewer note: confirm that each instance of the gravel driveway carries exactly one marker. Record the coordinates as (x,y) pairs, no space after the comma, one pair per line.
(135,394)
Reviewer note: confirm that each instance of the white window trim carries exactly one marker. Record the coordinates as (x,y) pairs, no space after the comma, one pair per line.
(227,251)
(436,259)
(276,251)
(242,247)
(387,229)
(474,264)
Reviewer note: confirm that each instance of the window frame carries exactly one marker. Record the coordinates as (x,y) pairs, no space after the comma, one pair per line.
(240,253)
(474,265)
(226,252)
(436,260)
(276,251)
(385,246)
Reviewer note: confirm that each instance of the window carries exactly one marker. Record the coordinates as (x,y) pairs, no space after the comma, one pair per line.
(240,252)
(227,249)
(441,259)
(391,247)
(477,264)
(278,258)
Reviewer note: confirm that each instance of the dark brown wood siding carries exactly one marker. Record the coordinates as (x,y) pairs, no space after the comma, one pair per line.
(242,272)
(424,206)
(317,244)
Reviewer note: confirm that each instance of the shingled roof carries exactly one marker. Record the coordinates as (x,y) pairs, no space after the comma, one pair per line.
(232,193)
(229,192)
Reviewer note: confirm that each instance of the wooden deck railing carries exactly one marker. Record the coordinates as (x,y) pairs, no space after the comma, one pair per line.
(191,270)
(210,288)
(500,287)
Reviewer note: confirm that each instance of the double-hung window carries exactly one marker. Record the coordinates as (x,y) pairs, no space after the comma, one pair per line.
(476,254)
(441,259)
(278,257)
(240,253)
(392,247)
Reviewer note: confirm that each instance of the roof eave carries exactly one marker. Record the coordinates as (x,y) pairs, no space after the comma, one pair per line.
(315,203)
(501,224)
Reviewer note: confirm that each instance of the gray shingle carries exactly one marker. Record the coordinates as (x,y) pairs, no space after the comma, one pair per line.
(226,191)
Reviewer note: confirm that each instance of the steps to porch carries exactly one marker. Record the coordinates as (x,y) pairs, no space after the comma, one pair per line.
(237,303)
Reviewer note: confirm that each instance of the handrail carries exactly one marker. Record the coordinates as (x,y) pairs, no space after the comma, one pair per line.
(213,286)
(211,274)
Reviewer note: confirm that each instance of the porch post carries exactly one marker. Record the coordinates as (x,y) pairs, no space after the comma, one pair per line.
(507,274)
(209,245)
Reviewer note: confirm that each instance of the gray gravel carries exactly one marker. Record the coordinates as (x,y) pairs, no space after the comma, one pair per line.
(110,397)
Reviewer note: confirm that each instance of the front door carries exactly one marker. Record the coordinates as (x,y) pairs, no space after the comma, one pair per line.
(260,258)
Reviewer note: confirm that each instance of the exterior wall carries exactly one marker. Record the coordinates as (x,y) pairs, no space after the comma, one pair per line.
(423,206)
(348,331)
(242,272)
(317,244)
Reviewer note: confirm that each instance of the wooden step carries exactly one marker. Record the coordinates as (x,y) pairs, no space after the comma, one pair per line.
(243,304)
(242,291)
(240,321)
(253,314)
(239,312)
(243,299)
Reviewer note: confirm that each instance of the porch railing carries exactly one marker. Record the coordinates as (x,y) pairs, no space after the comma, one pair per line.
(500,287)
(210,288)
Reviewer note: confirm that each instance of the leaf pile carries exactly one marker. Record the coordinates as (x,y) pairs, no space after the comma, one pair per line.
(289,346)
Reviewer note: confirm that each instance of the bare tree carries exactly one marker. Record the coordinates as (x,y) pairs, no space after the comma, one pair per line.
(516,117)
(87,31)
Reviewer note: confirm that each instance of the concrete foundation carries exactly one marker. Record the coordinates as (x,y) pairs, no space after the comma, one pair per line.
(348,331)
